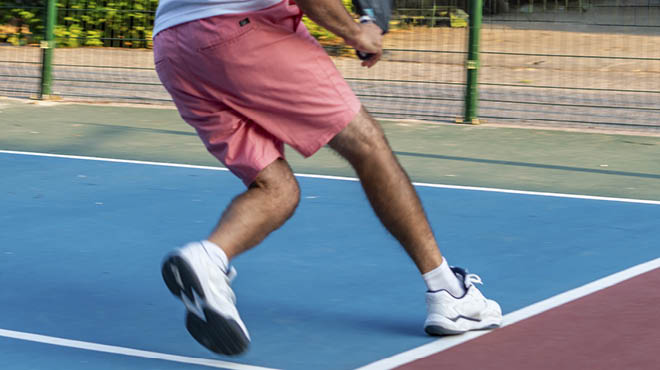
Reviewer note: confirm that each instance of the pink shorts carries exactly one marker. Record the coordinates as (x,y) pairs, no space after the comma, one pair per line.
(248,83)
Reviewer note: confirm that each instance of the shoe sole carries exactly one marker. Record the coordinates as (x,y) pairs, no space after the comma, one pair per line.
(445,326)
(436,330)
(217,333)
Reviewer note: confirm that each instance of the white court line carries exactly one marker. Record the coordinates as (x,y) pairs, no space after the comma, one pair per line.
(343,178)
(513,317)
(126,351)
(100,159)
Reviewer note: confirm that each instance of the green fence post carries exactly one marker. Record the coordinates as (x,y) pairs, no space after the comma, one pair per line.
(47,46)
(472,64)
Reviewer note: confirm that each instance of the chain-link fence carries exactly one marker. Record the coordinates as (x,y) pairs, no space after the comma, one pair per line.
(577,62)
(572,62)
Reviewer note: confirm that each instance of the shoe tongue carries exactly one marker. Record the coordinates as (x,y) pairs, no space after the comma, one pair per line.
(461,278)
(461,273)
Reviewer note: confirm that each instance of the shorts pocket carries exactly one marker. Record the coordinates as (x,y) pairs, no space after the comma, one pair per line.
(161,64)
(220,31)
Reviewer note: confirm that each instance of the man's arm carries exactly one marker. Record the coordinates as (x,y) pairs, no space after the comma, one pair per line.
(333,16)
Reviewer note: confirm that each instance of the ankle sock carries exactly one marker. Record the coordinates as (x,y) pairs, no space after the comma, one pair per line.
(216,254)
(443,278)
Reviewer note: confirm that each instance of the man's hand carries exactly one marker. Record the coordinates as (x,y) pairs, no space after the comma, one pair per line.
(368,40)
(333,16)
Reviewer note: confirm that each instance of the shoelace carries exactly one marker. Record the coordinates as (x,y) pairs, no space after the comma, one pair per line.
(471,279)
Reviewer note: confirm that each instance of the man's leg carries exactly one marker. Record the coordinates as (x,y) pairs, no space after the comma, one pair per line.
(199,273)
(269,201)
(388,188)
(455,305)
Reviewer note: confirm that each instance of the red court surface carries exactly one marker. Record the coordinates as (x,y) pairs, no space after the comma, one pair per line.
(615,328)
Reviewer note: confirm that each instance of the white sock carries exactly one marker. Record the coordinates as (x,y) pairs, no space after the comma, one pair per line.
(216,254)
(443,278)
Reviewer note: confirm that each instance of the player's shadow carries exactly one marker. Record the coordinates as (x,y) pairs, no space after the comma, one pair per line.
(407,326)
(531,165)
(362,320)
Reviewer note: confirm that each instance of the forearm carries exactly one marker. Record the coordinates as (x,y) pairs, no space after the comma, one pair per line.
(331,15)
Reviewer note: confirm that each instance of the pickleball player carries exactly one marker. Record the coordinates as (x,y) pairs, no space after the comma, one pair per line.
(249,78)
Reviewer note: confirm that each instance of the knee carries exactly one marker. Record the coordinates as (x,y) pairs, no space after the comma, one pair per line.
(373,143)
(288,196)
(362,139)
(368,134)
(283,193)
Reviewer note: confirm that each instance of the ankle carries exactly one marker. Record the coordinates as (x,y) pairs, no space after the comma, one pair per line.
(443,278)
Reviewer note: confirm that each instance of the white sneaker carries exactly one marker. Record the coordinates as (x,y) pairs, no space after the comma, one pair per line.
(203,287)
(450,315)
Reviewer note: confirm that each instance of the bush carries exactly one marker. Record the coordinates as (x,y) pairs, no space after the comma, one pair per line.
(114,23)
(21,22)
(121,23)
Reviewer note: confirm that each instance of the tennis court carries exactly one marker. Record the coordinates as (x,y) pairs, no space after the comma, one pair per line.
(562,227)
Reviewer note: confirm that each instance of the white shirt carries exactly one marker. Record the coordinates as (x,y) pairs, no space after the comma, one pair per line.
(173,12)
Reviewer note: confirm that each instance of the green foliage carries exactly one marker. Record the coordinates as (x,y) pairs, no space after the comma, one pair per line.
(21,21)
(94,38)
(68,36)
(320,33)
(115,23)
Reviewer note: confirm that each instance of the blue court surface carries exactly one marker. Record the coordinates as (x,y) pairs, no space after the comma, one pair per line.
(81,243)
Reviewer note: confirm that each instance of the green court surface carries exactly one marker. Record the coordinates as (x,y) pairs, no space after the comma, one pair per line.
(546,160)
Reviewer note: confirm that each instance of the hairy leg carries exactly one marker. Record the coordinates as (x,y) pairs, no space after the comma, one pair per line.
(388,189)
(267,203)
